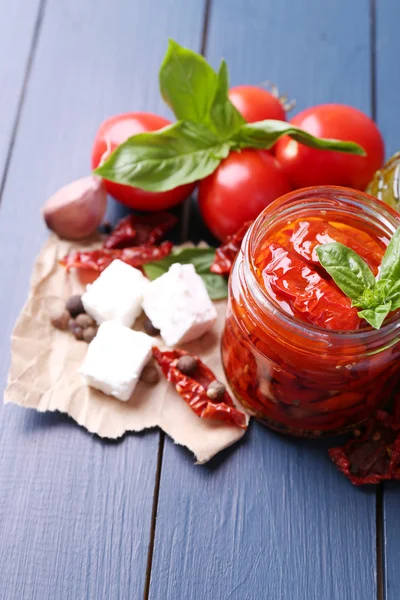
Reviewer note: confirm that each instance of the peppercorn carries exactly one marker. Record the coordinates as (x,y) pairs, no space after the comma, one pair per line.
(216,391)
(71,325)
(61,322)
(187,364)
(150,375)
(74,306)
(78,332)
(149,327)
(84,321)
(106,228)
(89,334)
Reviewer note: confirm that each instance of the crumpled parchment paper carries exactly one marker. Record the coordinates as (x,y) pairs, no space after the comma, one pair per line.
(44,368)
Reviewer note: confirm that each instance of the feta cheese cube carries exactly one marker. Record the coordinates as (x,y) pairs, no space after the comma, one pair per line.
(115,359)
(177,303)
(117,294)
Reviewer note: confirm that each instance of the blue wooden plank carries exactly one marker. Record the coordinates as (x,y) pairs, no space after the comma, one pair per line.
(387,75)
(273,518)
(17,25)
(387,114)
(75,512)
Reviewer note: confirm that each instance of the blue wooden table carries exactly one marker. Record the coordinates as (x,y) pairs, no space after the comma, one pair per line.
(83,519)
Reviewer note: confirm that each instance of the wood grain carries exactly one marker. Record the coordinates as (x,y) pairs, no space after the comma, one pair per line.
(387,114)
(75,512)
(17,25)
(272,518)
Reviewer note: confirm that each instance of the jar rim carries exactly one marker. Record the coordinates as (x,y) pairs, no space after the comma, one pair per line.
(331,195)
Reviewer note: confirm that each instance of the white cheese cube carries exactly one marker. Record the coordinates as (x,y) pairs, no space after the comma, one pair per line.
(117,294)
(177,303)
(115,359)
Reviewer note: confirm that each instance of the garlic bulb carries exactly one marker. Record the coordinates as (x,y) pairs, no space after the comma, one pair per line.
(77,209)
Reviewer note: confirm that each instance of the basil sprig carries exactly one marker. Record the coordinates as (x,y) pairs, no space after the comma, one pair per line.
(209,127)
(375,296)
(201,259)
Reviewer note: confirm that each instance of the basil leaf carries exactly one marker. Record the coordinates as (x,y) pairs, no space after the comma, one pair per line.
(201,259)
(390,266)
(392,292)
(376,316)
(152,270)
(225,118)
(217,286)
(264,134)
(162,160)
(347,269)
(187,83)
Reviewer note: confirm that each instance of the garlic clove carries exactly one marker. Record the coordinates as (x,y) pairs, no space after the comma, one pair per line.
(77,209)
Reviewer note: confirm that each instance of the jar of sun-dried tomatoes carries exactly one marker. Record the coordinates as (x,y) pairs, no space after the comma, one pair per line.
(295,351)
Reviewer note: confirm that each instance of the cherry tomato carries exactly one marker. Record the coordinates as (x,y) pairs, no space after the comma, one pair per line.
(241,187)
(256,104)
(111,134)
(307,166)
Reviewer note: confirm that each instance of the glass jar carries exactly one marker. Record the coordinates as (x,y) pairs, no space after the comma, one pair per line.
(294,376)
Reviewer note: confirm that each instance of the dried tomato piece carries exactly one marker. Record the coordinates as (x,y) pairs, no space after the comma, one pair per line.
(98,260)
(226,253)
(140,230)
(193,389)
(301,291)
(140,255)
(305,236)
(374,456)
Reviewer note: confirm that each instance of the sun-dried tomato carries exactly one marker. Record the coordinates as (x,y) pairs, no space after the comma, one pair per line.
(374,456)
(193,389)
(98,260)
(140,230)
(226,253)
(305,235)
(302,290)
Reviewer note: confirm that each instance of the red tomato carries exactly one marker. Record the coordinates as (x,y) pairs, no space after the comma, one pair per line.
(307,166)
(256,104)
(241,187)
(111,134)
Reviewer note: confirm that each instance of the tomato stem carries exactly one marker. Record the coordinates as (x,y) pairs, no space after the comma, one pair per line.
(287,104)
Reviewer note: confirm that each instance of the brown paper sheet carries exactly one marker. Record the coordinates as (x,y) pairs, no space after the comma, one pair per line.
(44,369)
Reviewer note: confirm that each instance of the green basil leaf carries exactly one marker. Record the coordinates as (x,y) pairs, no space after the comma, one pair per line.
(162,160)
(201,259)
(264,134)
(217,285)
(187,83)
(347,269)
(390,266)
(153,270)
(225,118)
(392,292)
(376,316)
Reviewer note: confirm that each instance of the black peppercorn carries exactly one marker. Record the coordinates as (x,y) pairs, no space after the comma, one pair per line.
(216,391)
(74,306)
(61,322)
(89,334)
(149,327)
(150,375)
(84,321)
(187,364)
